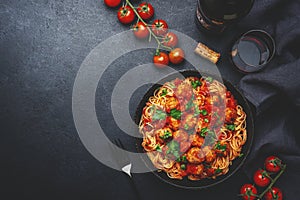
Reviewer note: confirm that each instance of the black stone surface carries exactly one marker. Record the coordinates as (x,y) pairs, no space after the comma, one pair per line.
(42,45)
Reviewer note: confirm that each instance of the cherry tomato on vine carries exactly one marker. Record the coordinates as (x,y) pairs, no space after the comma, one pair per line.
(176,56)
(145,10)
(248,192)
(112,3)
(161,59)
(273,194)
(126,15)
(273,164)
(159,27)
(140,30)
(261,178)
(170,40)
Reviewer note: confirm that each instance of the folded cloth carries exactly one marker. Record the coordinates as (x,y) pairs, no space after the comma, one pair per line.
(275,94)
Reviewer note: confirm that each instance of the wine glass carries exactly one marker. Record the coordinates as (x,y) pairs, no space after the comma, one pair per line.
(253,51)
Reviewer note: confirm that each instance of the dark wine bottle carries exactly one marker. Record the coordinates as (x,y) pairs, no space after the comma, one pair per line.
(216,15)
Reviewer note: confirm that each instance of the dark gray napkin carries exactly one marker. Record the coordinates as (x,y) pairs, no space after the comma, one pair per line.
(275,94)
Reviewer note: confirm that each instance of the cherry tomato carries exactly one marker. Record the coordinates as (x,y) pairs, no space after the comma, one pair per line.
(126,15)
(273,194)
(260,178)
(170,40)
(146,11)
(161,59)
(112,3)
(176,56)
(248,192)
(273,164)
(140,30)
(159,27)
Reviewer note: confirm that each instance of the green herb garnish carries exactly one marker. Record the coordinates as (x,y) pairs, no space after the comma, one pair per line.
(166,135)
(173,145)
(218,171)
(172,85)
(183,166)
(210,137)
(203,131)
(209,79)
(159,115)
(206,120)
(221,147)
(203,112)
(176,114)
(197,111)
(158,148)
(189,105)
(164,92)
(196,83)
(173,149)
(230,127)
(184,159)
(186,127)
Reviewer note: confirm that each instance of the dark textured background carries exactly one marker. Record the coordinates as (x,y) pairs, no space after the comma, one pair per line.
(42,45)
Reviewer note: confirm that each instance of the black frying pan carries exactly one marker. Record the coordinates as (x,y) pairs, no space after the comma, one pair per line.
(236,164)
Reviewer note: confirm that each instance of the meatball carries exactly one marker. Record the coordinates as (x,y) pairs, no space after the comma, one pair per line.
(184,146)
(196,140)
(189,121)
(195,155)
(163,134)
(180,135)
(173,123)
(210,154)
(230,115)
(171,103)
(184,91)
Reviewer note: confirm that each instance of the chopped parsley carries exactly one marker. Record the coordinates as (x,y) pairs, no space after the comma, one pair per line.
(183,159)
(241,155)
(203,112)
(220,147)
(219,121)
(164,92)
(158,148)
(186,127)
(206,120)
(230,127)
(183,166)
(176,114)
(166,135)
(210,137)
(209,79)
(173,148)
(197,111)
(203,132)
(196,83)
(218,171)
(173,145)
(172,85)
(189,105)
(159,115)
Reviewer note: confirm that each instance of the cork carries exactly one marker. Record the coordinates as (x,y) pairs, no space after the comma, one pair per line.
(207,53)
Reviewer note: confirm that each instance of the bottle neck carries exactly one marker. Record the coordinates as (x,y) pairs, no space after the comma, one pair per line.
(206,24)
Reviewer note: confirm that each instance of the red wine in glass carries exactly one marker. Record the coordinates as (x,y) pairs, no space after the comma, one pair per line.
(217,15)
(253,51)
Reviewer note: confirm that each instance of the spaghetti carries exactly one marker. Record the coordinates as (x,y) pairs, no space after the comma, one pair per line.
(193,128)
